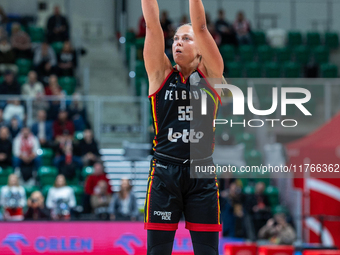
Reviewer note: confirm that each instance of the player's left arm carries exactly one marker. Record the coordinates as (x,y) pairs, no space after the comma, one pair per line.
(211,57)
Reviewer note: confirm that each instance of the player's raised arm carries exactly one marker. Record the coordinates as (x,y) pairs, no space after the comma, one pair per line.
(156,62)
(211,57)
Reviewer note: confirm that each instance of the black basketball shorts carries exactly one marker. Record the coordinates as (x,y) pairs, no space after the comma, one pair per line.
(171,191)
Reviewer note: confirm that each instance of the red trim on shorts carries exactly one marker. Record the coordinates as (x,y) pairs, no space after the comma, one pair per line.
(209,86)
(162,83)
(203,227)
(161,226)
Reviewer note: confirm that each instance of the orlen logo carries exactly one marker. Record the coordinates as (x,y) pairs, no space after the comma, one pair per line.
(187,136)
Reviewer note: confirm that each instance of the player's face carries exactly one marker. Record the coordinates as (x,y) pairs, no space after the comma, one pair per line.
(184,48)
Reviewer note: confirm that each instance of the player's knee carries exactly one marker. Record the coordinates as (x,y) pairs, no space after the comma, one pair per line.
(205,243)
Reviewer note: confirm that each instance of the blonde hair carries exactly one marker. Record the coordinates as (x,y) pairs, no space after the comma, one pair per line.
(17,178)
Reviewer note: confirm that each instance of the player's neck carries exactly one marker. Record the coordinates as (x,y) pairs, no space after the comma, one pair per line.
(186,71)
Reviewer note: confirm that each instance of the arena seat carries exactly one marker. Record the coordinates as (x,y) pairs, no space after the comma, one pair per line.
(234,69)
(331,40)
(78,192)
(86,171)
(228,53)
(22,79)
(47,155)
(329,70)
(280,209)
(246,53)
(321,54)
(1,79)
(273,195)
(264,90)
(253,70)
(265,53)
(79,135)
(283,54)
(272,70)
(291,70)
(47,175)
(313,39)
(30,189)
(130,37)
(247,139)
(294,38)
(24,66)
(45,190)
(301,54)
(37,34)
(4,173)
(57,47)
(68,84)
(253,157)
(259,37)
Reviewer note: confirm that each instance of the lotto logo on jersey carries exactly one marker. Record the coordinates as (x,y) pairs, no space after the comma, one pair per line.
(187,136)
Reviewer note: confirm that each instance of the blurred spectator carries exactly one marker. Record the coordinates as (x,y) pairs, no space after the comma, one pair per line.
(33,87)
(5,148)
(3,16)
(168,43)
(225,29)
(44,60)
(258,206)
(36,208)
(65,159)
(89,149)
(14,109)
(43,129)
(278,231)
(9,86)
(100,200)
(242,29)
(123,205)
(141,28)
(57,27)
(21,42)
(2,121)
(14,128)
(60,199)
(91,182)
(25,148)
(7,56)
(67,60)
(77,112)
(165,23)
(62,124)
(13,199)
(53,86)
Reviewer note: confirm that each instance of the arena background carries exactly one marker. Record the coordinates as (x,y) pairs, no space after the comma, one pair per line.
(294,43)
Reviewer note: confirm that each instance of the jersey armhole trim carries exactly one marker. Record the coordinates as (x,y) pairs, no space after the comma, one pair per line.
(209,86)
(162,84)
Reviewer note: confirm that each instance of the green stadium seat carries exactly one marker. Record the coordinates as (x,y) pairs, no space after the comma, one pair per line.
(253,70)
(291,70)
(249,190)
(74,181)
(313,39)
(24,66)
(228,53)
(47,175)
(30,189)
(78,192)
(246,53)
(272,70)
(234,69)
(259,37)
(265,53)
(78,135)
(130,37)
(253,158)
(301,54)
(280,209)
(139,84)
(321,54)
(47,155)
(140,43)
(247,139)
(237,128)
(283,55)
(1,79)
(37,34)
(273,195)
(68,84)
(266,103)
(294,38)
(140,69)
(264,90)
(332,40)
(22,79)
(4,173)
(57,47)
(329,70)
(86,171)
(128,52)
(45,190)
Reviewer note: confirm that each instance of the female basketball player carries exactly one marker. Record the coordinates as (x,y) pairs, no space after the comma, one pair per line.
(183,137)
